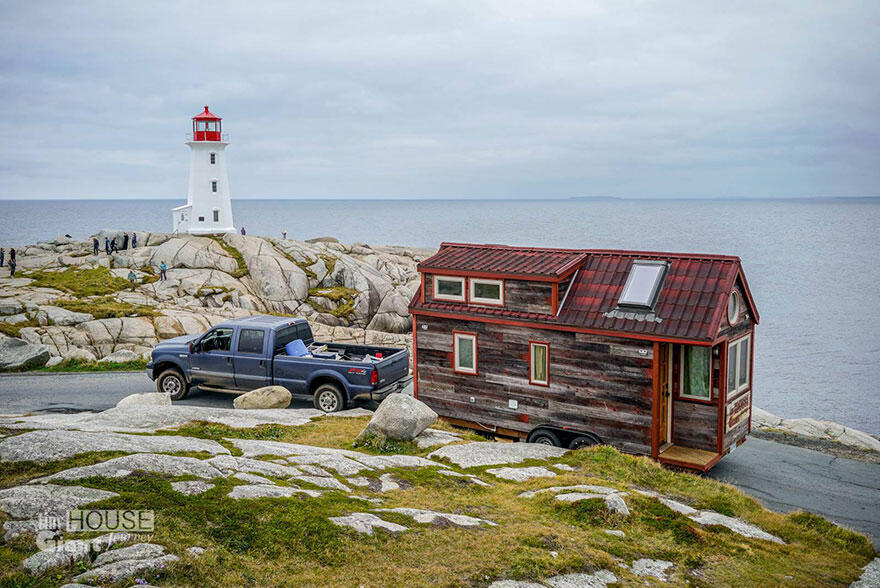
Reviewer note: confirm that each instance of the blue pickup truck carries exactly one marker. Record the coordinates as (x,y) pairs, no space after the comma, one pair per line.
(248,353)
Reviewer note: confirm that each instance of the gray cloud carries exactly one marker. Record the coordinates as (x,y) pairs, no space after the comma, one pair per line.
(444,99)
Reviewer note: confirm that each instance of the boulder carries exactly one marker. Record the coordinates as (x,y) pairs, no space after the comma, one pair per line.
(148,399)
(54,315)
(54,360)
(17,354)
(400,418)
(79,354)
(121,356)
(266,397)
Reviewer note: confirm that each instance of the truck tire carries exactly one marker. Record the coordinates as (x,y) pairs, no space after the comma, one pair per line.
(329,398)
(172,383)
(544,437)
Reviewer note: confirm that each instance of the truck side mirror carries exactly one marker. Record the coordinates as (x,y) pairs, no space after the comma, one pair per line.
(192,347)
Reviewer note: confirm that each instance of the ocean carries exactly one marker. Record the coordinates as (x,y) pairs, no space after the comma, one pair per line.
(812,264)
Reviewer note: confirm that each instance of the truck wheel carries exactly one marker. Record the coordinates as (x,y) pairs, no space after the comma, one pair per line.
(328,398)
(544,437)
(172,383)
(582,441)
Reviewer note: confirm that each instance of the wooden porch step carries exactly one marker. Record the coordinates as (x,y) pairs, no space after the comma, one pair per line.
(689,457)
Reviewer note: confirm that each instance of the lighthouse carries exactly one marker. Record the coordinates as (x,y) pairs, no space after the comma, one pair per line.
(208,208)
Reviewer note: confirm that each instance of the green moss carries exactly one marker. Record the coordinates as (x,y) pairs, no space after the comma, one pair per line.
(14,330)
(344,297)
(235,254)
(107,307)
(211,290)
(329,262)
(80,282)
(74,365)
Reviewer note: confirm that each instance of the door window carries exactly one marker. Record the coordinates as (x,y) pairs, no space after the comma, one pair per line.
(217,340)
(251,341)
(695,363)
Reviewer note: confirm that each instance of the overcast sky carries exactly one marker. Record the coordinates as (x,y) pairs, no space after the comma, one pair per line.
(444,99)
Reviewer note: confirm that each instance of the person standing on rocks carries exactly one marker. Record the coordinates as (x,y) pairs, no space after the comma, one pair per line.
(134,240)
(124,241)
(12,267)
(284,234)
(107,245)
(162,269)
(243,232)
(12,255)
(95,245)
(113,246)
(2,255)
(132,278)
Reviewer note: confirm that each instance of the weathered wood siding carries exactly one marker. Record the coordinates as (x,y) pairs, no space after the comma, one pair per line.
(519,295)
(695,425)
(598,384)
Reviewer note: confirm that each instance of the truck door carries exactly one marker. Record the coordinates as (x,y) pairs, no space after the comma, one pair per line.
(251,363)
(211,362)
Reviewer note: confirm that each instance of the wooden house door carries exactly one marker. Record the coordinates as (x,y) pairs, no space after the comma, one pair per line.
(665,393)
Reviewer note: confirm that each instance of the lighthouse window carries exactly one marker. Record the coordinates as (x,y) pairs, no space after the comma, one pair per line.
(213,158)
(214,186)
(201,219)
(200,125)
(216,216)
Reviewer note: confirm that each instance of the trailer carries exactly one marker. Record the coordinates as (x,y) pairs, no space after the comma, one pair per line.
(650,352)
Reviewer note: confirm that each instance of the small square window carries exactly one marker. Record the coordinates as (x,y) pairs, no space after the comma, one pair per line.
(487,292)
(214,186)
(213,158)
(201,219)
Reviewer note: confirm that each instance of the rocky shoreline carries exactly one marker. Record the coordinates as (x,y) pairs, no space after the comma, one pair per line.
(349,293)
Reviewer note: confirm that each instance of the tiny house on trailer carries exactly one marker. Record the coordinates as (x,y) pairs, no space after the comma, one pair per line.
(649,352)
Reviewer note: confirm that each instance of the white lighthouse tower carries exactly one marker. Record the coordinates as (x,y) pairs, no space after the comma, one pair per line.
(208,208)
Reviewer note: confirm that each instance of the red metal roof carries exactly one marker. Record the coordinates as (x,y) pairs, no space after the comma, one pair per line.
(206,115)
(504,260)
(689,306)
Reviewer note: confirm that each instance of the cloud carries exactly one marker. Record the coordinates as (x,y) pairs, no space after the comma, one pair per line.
(451,99)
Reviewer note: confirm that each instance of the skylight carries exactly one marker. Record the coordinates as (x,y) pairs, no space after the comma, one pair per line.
(643,284)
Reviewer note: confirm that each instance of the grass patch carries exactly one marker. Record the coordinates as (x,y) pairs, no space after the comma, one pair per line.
(242,269)
(14,330)
(75,365)
(107,307)
(291,542)
(329,262)
(80,282)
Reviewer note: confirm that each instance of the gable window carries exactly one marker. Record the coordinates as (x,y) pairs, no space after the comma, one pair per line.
(449,288)
(464,353)
(733,308)
(696,362)
(213,185)
(738,364)
(539,363)
(216,216)
(487,292)
(643,284)
(213,158)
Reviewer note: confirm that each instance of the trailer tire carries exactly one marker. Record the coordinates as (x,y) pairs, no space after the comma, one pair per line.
(329,398)
(172,383)
(544,437)
(582,441)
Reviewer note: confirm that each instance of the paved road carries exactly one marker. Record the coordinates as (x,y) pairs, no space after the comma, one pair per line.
(782,477)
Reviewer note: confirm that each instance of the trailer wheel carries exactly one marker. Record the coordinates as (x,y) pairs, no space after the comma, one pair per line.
(172,383)
(582,441)
(328,398)
(544,437)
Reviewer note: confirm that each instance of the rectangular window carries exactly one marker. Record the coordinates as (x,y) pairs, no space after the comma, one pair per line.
(216,216)
(251,341)
(487,292)
(449,288)
(200,125)
(201,219)
(214,186)
(217,340)
(539,364)
(464,352)
(695,364)
(738,364)
(643,284)
(213,158)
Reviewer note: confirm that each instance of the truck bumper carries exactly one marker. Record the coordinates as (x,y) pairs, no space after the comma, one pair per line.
(150,370)
(382,393)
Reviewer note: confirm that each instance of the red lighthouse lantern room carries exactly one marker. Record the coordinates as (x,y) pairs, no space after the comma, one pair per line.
(206,126)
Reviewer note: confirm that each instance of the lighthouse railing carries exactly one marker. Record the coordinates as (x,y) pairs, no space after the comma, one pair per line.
(223,137)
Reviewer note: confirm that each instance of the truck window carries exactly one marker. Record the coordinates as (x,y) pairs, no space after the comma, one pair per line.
(304,332)
(217,340)
(285,335)
(251,341)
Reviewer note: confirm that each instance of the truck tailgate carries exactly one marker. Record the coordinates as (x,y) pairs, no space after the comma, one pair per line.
(393,368)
